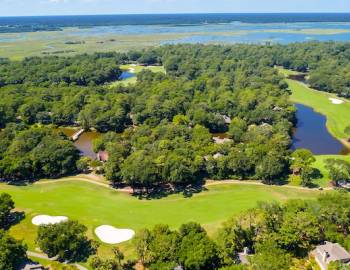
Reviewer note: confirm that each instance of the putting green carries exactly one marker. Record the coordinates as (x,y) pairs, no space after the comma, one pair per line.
(95,205)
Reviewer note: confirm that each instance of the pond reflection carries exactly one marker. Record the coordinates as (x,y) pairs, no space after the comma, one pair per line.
(311,133)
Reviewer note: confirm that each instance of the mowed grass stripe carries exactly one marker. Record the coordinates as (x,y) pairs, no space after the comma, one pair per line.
(94,205)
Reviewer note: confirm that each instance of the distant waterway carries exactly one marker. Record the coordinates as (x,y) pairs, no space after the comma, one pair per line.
(229,32)
(311,133)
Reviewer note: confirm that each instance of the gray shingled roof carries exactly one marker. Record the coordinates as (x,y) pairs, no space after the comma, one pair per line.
(336,252)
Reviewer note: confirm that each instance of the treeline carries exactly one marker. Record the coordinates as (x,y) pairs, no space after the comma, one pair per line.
(80,70)
(35,153)
(12,251)
(328,64)
(277,236)
(180,155)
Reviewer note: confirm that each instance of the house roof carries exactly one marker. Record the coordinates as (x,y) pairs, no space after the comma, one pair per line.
(33,267)
(103,156)
(335,251)
(243,258)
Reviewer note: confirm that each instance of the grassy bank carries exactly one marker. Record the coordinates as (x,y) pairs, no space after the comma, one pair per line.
(320,165)
(95,205)
(337,117)
(337,114)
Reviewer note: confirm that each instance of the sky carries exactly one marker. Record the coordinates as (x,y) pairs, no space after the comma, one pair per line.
(78,7)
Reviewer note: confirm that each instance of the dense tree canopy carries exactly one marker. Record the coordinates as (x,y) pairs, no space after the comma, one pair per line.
(6,206)
(190,247)
(12,252)
(65,240)
(29,153)
(78,70)
(207,89)
(277,236)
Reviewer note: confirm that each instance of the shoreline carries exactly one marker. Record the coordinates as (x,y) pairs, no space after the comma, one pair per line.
(344,141)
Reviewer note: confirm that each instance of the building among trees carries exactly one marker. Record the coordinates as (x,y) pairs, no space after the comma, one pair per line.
(330,252)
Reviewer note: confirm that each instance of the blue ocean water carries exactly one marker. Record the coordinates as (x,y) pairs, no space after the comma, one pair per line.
(190,28)
(182,19)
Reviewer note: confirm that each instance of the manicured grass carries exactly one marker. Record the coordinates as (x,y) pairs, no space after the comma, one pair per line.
(337,118)
(320,165)
(136,69)
(286,72)
(337,115)
(94,205)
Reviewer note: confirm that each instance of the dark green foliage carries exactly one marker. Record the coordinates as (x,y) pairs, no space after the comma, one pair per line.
(78,70)
(66,240)
(190,247)
(339,170)
(270,256)
(196,250)
(235,235)
(168,154)
(302,159)
(347,130)
(204,87)
(36,152)
(12,252)
(276,233)
(338,266)
(115,263)
(6,206)
(328,63)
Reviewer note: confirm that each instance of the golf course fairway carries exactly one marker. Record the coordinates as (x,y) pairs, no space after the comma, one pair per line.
(94,205)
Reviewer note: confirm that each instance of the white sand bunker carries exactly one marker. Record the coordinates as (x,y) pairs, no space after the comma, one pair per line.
(110,235)
(48,220)
(336,101)
(131,70)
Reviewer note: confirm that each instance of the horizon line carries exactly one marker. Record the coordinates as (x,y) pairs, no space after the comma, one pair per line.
(175,13)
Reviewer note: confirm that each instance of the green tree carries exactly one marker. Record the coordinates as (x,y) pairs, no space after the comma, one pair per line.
(6,206)
(237,129)
(347,130)
(302,159)
(66,240)
(83,164)
(269,256)
(339,170)
(270,169)
(299,232)
(338,266)
(157,246)
(12,252)
(139,170)
(196,250)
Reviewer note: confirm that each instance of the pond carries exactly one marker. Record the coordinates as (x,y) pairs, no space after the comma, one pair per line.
(126,75)
(311,133)
(84,143)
